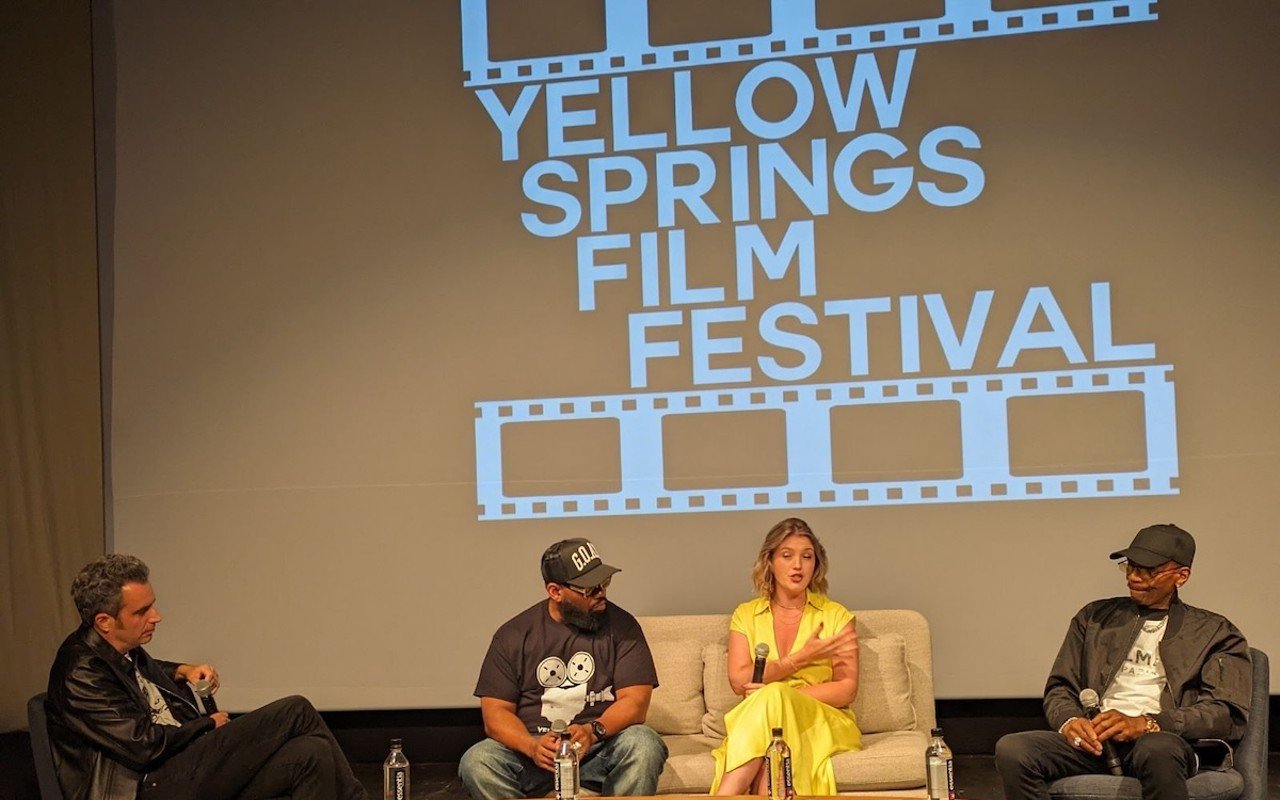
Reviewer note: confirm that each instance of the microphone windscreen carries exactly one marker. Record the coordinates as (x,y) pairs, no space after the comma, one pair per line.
(1088,698)
(762,650)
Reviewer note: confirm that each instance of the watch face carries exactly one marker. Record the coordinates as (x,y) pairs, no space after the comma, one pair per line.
(598,728)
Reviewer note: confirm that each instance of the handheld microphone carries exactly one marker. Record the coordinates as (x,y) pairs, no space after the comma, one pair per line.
(203,692)
(762,653)
(1092,707)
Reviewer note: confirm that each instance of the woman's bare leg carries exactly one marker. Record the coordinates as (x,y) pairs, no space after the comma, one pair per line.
(740,779)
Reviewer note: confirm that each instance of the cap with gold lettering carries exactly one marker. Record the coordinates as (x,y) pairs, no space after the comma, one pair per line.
(575,562)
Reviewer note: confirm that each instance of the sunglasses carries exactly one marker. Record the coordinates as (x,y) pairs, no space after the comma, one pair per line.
(593,592)
(1146,573)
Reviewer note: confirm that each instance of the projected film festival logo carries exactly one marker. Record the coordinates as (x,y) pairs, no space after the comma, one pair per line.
(605,172)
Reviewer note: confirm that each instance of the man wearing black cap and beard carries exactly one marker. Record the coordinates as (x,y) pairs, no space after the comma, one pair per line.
(574,657)
(1167,674)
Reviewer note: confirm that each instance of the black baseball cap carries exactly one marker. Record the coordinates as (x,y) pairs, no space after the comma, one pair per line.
(1157,544)
(575,562)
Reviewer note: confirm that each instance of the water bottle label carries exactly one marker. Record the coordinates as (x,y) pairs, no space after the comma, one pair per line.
(787,783)
(398,779)
(566,781)
(941,779)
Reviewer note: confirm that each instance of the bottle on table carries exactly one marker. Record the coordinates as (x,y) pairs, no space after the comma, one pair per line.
(566,771)
(777,765)
(939,770)
(395,773)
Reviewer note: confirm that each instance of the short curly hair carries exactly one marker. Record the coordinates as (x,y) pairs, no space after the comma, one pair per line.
(96,590)
(762,573)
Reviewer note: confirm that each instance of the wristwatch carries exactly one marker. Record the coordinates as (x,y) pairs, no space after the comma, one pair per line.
(598,730)
(1152,725)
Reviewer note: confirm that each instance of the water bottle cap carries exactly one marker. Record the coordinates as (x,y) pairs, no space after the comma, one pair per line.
(777,731)
(936,732)
(559,726)
(396,743)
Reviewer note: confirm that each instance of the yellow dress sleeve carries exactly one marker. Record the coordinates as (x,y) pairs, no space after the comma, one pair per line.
(837,616)
(742,621)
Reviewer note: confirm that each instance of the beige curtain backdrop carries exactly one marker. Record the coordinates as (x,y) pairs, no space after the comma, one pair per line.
(50,387)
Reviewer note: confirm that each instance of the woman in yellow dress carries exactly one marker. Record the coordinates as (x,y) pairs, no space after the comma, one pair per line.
(810,677)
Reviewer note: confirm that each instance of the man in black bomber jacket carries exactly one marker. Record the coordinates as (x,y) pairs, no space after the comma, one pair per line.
(1166,674)
(123,725)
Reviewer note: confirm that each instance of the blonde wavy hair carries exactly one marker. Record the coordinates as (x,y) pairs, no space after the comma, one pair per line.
(762,575)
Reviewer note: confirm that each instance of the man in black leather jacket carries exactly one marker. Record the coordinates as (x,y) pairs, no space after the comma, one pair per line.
(124,725)
(1167,674)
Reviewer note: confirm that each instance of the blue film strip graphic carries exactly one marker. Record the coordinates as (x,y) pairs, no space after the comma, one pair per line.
(984,438)
(795,32)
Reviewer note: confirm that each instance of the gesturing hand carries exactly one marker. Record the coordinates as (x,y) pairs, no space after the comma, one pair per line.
(842,645)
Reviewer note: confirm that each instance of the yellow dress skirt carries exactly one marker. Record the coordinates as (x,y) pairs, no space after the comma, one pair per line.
(812,729)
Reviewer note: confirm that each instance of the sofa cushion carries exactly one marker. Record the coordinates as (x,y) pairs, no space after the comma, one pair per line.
(677,707)
(717,693)
(883,702)
(690,766)
(886,761)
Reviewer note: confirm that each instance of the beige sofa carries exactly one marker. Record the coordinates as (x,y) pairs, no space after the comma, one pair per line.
(894,705)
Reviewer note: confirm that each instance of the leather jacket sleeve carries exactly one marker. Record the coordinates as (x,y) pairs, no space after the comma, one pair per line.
(100,710)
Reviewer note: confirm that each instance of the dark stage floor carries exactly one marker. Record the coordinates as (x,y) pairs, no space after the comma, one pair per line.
(975,776)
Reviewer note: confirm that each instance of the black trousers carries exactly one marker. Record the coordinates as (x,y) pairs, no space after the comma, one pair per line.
(283,749)
(1029,761)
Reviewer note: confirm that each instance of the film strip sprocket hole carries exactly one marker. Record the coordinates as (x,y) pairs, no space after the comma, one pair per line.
(983,433)
(794,33)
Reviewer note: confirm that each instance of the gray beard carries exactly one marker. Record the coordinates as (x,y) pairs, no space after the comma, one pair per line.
(586,621)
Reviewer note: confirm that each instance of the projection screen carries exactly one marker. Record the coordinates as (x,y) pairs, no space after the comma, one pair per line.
(403,292)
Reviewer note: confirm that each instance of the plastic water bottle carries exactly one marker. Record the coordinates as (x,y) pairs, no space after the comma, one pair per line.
(777,764)
(395,774)
(566,763)
(939,769)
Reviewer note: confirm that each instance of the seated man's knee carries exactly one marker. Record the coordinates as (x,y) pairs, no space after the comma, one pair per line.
(490,769)
(293,705)
(1159,753)
(300,704)
(642,744)
(1012,751)
(481,759)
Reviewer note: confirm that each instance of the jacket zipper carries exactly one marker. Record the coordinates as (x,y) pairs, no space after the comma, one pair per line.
(1137,628)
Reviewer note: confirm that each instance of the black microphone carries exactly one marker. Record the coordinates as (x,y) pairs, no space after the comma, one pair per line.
(762,652)
(1089,699)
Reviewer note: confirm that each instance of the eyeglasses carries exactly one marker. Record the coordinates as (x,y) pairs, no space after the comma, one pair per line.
(593,592)
(1145,573)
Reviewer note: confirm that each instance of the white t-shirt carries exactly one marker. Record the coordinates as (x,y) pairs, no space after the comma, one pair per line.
(160,713)
(1137,687)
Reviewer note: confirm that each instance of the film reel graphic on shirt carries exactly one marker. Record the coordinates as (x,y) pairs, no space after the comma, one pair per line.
(983,434)
(794,32)
(564,686)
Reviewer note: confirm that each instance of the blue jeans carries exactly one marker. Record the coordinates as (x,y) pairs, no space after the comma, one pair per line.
(626,764)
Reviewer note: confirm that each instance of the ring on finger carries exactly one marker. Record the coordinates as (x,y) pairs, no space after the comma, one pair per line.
(1076,741)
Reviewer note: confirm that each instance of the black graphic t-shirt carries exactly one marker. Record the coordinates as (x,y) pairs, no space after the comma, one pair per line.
(552,670)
